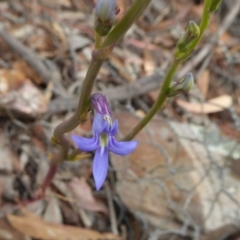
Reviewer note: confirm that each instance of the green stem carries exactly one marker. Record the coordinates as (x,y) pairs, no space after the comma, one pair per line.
(83,104)
(163,95)
(203,26)
(135,10)
(81,112)
(157,105)
(98,40)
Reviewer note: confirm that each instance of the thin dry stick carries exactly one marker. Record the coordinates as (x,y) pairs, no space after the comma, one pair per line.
(34,61)
(28,55)
(112,210)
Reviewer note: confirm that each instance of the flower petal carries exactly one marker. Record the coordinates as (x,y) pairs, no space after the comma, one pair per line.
(100,166)
(86,144)
(99,123)
(121,148)
(114,128)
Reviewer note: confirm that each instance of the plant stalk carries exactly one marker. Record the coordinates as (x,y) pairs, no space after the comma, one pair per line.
(162,97)
(134,11)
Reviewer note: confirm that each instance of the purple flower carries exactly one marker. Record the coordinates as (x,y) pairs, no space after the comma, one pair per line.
(103,140)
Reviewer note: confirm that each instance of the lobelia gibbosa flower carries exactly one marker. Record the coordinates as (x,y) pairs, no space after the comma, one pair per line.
(103,139)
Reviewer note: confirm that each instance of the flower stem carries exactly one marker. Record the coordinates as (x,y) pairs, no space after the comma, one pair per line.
(99,55)
(179,58)
(49,177)
(135,10)
(98,40)
(157,105)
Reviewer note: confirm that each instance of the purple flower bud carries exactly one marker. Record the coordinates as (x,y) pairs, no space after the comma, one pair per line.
(105,10)
(100,104)
(105,14)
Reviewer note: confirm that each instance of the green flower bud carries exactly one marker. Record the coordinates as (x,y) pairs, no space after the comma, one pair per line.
(192,32)
(182,86)
(104,16)
(214,5)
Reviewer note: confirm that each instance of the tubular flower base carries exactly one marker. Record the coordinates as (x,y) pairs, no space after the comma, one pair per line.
(103,141)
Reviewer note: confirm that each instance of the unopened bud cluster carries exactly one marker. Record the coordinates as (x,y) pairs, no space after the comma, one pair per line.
(105,14)
(192,32)
(182,86)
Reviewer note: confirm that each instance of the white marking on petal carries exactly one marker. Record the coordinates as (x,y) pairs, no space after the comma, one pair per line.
(99,107)
(108,119)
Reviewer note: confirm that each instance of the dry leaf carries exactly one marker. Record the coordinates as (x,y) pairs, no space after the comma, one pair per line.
(77,41)
(19,94)
(28,71)
(41,41)
(203,83)
(85,199)
(154,94)
(140,113)
(58,3)
(35,227)
(169,167)
(142,45)
(28,100)
(8,191)
(143,174)
(85,6)
(227,230)
(7,158)
(56,29)
(121,68)
(10,80)
(1,191)
(149,64)
(48,92)
(35,208)
(213,105)
(8,233)
(22,31)
(53,213)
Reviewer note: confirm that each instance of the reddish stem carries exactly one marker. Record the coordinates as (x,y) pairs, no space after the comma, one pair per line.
(49,177)
(47,182)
